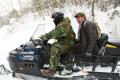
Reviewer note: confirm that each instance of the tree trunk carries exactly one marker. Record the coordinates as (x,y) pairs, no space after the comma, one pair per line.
(93,14)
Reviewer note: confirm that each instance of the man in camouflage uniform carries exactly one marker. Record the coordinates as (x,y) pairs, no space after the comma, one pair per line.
(65,37)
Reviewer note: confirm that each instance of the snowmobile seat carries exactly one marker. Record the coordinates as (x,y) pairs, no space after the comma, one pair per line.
(102,42)
(103,39)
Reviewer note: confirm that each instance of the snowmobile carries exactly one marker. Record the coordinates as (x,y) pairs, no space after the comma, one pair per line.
(31,57)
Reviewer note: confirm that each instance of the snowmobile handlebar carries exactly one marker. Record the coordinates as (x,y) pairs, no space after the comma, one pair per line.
(38,42)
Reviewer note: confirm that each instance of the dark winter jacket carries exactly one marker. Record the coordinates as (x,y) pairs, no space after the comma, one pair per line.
(88,37)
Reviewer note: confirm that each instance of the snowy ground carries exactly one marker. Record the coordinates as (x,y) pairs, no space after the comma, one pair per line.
(20,30)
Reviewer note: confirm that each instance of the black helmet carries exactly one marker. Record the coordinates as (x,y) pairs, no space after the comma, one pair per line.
(58,15)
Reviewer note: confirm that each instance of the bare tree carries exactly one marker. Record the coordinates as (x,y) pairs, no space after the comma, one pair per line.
(12,4)
(21,6)
(93,13)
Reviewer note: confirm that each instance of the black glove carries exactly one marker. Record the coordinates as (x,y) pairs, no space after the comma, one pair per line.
(88,54)
(45,42)
(31,39)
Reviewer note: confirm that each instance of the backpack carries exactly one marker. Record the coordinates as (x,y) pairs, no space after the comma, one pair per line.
(98,30)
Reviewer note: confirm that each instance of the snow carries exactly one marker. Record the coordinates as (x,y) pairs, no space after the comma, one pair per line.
(20,30)
(5,74)
(80,73)
(28,77)
(9,77)
(108,25)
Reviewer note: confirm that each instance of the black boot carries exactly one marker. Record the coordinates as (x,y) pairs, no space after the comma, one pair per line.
(48,72)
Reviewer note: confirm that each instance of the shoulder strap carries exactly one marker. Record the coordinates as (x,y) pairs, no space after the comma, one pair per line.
(85,22)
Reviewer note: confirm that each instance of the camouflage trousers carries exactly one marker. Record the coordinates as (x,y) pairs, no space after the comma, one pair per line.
(56,50)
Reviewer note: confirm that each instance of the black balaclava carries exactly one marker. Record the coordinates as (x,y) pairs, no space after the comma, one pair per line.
(56,21)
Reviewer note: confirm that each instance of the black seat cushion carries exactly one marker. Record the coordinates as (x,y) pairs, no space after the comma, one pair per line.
(102,40)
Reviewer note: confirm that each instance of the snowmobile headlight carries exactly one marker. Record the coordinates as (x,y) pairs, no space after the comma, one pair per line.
(29,57)
(26,57)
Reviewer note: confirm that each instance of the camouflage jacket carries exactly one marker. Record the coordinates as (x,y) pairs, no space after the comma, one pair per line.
(63,33)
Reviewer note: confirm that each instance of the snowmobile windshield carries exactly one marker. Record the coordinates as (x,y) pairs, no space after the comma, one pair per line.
(39,30)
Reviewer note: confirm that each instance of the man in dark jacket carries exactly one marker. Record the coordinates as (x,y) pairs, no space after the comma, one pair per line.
(87,36)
